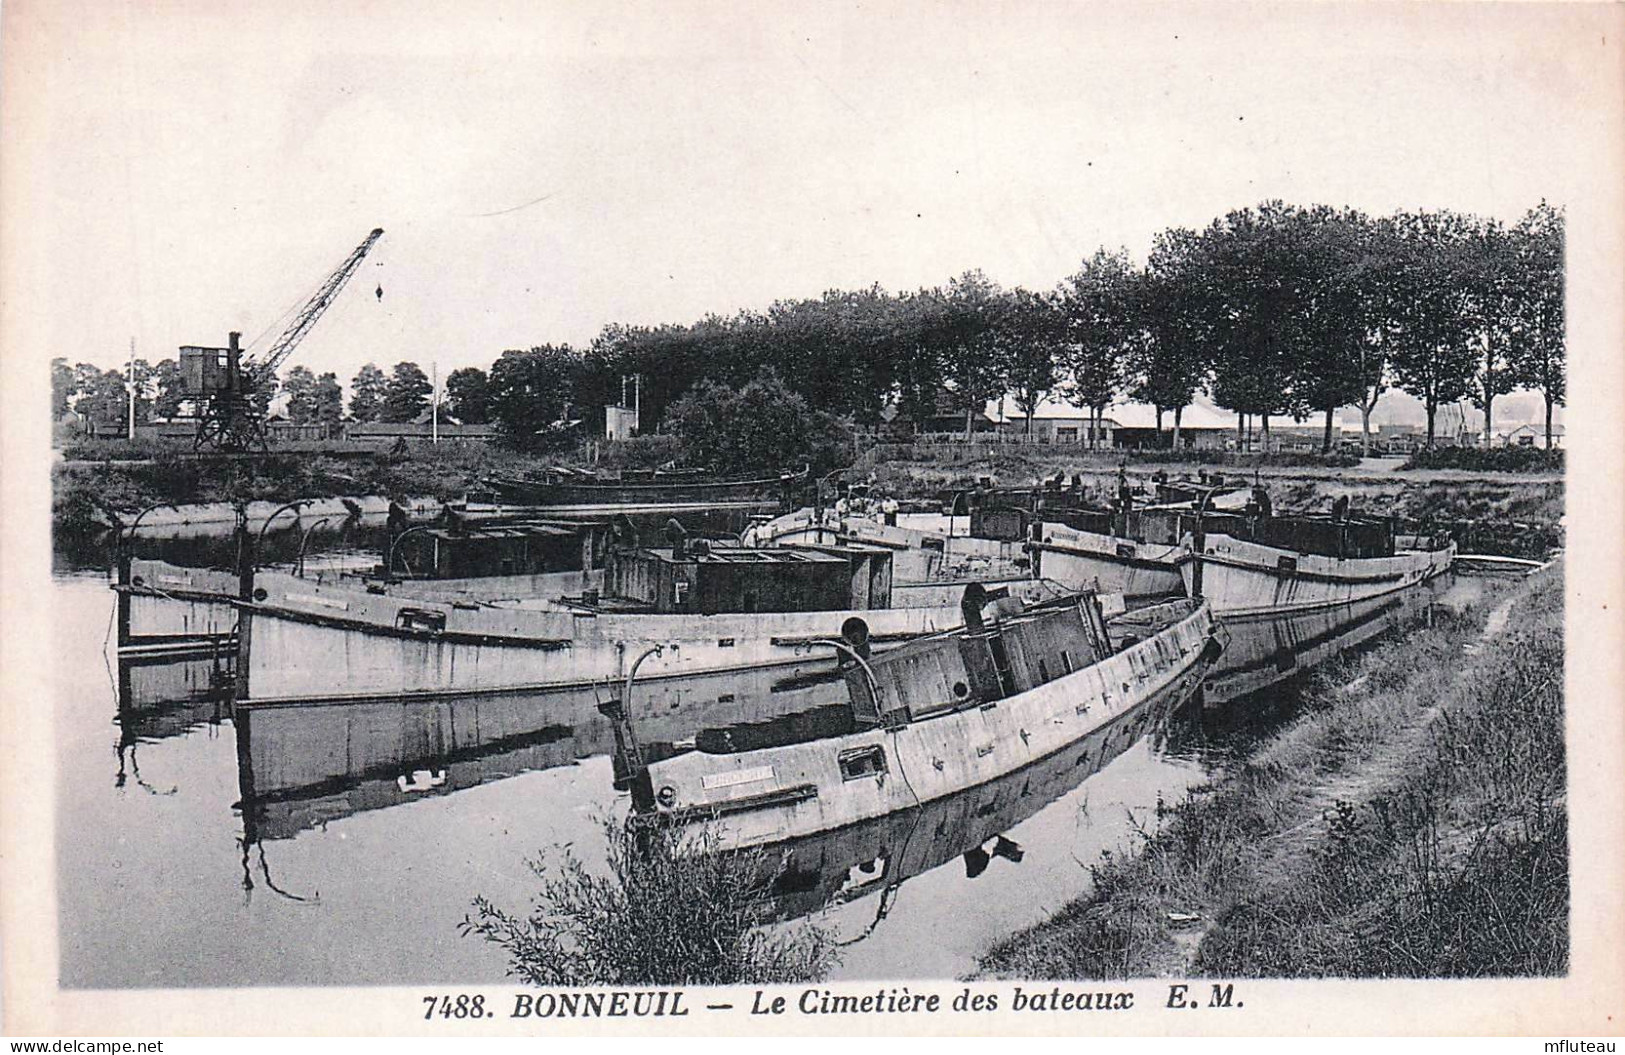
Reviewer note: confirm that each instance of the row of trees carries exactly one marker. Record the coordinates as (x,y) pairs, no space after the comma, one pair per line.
(1269,311)
(1273,310)
(160,393)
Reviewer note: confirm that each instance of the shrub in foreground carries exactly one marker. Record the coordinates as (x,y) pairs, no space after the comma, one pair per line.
(663,914)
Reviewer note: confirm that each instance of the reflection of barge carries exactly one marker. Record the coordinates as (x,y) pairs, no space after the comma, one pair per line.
(301,763)
(856,860)
(1263,650)
(938,716)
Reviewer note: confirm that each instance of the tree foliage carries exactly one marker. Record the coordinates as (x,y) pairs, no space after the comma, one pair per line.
(406,395)
(328,398)
(468,395)
(763,427)
(300,388)
(529,392)
(367,393)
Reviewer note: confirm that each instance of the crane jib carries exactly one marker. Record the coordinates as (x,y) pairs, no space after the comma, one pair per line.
(313,308)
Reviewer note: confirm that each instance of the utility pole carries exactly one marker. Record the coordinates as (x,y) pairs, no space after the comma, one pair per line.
(434,402)
(132,388)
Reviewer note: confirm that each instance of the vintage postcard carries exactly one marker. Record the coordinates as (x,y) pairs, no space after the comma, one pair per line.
(541,519)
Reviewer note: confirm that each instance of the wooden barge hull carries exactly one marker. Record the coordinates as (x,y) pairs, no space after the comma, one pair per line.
(314,641)
(1246,578)
(1083,559)
(777,794)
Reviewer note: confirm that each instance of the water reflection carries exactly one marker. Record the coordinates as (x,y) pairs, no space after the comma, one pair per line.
(384,817)
(878,856)
(302,765)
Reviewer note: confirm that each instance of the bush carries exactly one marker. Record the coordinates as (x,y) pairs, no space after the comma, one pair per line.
(673,910)
(1495,459)
(763,427)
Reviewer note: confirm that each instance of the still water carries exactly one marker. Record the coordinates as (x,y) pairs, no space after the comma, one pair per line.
(343,845)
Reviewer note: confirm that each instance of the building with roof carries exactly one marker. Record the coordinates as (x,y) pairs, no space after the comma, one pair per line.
(1532,434)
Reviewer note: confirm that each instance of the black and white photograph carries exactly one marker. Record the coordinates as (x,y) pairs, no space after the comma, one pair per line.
(825,518)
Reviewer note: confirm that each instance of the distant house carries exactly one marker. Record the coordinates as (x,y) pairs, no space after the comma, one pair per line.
(1200,427)
(1059,423)
(947,420)
(1125,425)
(417,432)
(279,429)
(1531,435)
(620,422)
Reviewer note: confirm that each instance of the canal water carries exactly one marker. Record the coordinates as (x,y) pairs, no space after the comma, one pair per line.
(343,845)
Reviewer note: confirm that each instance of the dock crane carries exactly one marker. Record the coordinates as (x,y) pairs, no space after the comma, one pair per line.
(223,381)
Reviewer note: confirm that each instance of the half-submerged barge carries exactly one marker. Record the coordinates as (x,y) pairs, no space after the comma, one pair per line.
(688,608)
(633,489)
(937,716)
(1260,563)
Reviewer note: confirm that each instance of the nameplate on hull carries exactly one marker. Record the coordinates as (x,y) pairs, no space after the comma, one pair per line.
(712,781)
(325,602)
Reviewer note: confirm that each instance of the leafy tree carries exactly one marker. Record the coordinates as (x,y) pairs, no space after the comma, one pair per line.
(919,368)
(1431,350)
(528,394)
(367,393)
(407,394)
(170,391)
(468,396)
(62,387)
(328,399)
(264,390)
(1539,355)
(1254,310)
(1326,255)
(1173,362)
(300,387)
(106,400)
(1106,331)
(964,334)
(1489,271)
(1376,281)
(86,376)
(1032,335)
(763,427)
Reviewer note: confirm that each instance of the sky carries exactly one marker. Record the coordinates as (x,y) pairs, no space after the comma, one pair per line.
(543,170)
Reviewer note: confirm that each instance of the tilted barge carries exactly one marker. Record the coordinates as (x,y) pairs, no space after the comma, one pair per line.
(1136,552)
(937,716)
(686,609)
(640,489)
(1254,564)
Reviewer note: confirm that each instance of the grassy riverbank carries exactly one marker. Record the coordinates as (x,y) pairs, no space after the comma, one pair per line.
(1517,514)
(1412,822)
(82,489)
